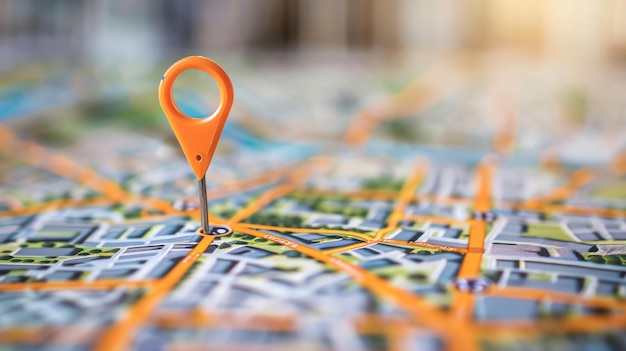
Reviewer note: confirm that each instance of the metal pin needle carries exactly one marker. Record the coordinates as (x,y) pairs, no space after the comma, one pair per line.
(204,210)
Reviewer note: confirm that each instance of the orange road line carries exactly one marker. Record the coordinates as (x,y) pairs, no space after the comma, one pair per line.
(76,285)
(424,90)
(414,97)
(119,335)
(549,158)
(72,335)
(368,326)
(471,264)
(361,127)
(578,179)
(470,267)
(56,204)
(418,308)
(554,296)
(369,323)
(59,204)
(36,155)
(504,140)
(231,187)
(567,209)
(425,245)
(358,194)
(442,199)
(241,345)
(364,324)
(59,164)
(13,204)
(463,302)
(397,336)
(224,319)
(350,247)
(268,177)
(308,230)
(263,200)
(607,212)
(200,318)
(406,194)
(568,325)
(396,242)
(483,197)
(575,210)
(6,137)
(618,164)
(379,194)
(161,205)
(298,176)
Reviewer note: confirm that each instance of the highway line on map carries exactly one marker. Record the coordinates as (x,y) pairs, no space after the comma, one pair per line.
(409,187)
(571,325)
(418,308)
(38,156)
(295,178)
(76,285)
(119,335)
(358,235)
(579,178)
(351,247)
(463,301)
(423,91)
(523,293)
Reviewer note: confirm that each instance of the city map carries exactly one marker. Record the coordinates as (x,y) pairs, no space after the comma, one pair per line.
(459,204)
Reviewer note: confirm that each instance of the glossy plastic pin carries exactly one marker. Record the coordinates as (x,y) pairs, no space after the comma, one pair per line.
(197,137)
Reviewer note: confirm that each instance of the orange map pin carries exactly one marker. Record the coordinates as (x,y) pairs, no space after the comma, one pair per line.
(197,137)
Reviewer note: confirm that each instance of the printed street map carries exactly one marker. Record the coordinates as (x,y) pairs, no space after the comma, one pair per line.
(458,204)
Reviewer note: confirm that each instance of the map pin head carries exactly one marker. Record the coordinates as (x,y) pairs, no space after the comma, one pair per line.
(197,137)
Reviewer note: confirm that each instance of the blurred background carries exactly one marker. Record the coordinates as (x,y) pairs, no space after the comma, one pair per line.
(556,64)
(98,30)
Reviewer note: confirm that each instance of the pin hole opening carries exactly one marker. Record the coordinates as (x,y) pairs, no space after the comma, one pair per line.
(198,158)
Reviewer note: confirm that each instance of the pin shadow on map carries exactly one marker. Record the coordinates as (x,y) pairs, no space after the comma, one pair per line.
(198,137)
